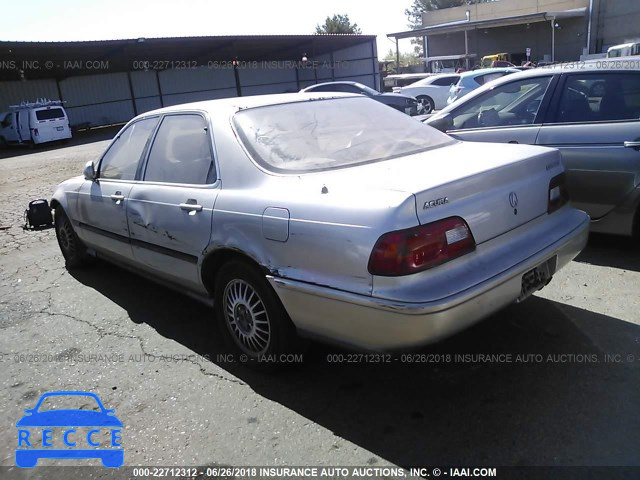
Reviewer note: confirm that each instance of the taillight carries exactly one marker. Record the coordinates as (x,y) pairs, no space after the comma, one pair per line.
(415,249)
(558,193)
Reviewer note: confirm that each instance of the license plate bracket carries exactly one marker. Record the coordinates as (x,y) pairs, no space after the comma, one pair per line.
(536,278)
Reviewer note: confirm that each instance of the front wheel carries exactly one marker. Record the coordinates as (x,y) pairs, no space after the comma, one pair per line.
(254,319)
(428,105)
(72,248)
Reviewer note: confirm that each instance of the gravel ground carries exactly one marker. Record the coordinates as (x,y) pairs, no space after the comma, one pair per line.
(562,386)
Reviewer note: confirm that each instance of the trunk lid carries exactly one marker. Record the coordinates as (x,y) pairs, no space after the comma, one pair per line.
(493,187)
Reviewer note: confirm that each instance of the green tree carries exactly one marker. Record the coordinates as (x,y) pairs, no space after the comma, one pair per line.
(414,13)
(338,24)
(406,58)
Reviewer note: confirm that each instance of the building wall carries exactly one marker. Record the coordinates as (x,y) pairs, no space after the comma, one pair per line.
(569,41)
(113,98)
(501,8)
(614,22)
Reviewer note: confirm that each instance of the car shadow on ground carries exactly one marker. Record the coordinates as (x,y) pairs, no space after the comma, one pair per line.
(562,402)
(79,138)
(612,251)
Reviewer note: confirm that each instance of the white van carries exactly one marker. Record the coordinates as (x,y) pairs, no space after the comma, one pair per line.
(624,50)
(34,123)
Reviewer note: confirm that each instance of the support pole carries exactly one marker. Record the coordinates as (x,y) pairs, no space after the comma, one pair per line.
(553,40)
(466,49)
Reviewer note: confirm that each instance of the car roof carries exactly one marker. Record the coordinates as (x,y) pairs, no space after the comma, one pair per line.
(589,66)
(339,82)
(482,71)
(235,104)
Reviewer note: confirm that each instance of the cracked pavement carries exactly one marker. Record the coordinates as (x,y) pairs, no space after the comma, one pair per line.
(156,357)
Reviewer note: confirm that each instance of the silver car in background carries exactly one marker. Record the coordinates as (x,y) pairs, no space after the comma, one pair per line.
(327,215)
(590,111)
(473,79)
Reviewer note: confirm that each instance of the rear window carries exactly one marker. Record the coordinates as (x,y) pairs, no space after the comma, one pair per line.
(333,133)
(446,81)
(487,77)
(49,113)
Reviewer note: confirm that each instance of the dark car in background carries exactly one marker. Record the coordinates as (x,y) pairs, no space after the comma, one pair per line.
(404,103)
(590,111)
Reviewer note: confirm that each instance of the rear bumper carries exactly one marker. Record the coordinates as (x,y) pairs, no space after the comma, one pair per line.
(381,324)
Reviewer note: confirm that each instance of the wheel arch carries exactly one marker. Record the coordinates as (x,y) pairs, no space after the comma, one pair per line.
(216,258)
(54,203)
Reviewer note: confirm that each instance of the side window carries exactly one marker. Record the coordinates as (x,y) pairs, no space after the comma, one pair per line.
(6,121)
(122,158)
(600,97)
(445,81)
(487,77)
(181,151)
(514,103)
(349,89)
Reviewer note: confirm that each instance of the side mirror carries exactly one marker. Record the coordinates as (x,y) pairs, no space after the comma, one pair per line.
(443,123)
(89,171)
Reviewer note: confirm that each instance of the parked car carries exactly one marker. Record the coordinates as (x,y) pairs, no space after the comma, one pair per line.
(592,115)
(324,215)
(32,123)
(624,50)
(473,79)
(403,103)
(432,91)
(397,80)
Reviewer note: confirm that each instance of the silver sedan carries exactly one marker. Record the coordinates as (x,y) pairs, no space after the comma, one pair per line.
(590,111)
(325,215)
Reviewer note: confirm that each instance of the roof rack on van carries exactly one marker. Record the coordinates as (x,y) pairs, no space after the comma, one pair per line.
(40,102)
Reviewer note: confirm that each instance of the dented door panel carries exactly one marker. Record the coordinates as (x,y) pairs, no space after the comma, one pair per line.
(170,227)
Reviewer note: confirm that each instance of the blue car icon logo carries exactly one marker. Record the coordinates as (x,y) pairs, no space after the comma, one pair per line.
(73,429)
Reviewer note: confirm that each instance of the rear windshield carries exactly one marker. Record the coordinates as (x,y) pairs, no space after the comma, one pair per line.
(331,133)
(49,113)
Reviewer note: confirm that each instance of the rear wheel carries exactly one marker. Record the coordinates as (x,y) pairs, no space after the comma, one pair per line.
(254,320)
(427,103)
(72,248)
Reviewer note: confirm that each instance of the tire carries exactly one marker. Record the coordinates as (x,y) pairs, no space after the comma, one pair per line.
(72,248)
(254,321)
(427,103)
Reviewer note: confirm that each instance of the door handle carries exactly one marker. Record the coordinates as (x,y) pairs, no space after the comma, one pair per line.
(513,141)
(117,197)
(635,144)
(192,208)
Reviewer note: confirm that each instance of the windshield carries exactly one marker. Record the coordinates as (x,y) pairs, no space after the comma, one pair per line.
(331,133)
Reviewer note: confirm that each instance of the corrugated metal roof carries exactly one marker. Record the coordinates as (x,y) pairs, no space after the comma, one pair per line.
(71,58)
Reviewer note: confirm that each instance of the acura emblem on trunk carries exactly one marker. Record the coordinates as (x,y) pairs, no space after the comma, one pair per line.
(513,199)
(435,203)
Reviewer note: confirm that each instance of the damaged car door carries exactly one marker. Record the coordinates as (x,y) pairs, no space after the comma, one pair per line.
(170,210)
(102,201)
